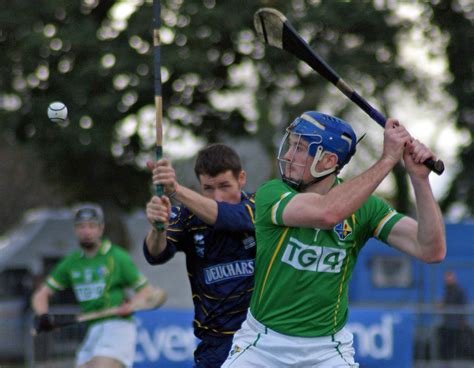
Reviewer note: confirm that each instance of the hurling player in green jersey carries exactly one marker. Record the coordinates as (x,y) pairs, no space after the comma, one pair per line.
(99,274)
(310,228)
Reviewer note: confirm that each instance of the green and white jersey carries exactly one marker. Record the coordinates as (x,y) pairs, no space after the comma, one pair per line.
(302,274)
(98,282)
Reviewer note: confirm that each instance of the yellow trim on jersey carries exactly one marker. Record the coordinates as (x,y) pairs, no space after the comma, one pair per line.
(383,222)
(199,227)
(276,205)
(271,262)
(213,329)
(111,268)
(338,304)
(52,282)
(354,220)
(250,213)
(202,306)
(229,296)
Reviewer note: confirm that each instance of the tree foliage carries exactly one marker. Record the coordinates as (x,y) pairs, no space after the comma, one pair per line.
(455,19)
(98,61)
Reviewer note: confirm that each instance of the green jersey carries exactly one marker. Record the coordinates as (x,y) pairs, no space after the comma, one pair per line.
(302,274)
(98,282)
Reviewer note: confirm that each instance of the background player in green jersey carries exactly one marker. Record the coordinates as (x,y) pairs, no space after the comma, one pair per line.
(310,227)
(99,273)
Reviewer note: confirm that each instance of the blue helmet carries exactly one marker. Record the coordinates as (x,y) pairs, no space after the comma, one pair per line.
(324,133)
(333,134)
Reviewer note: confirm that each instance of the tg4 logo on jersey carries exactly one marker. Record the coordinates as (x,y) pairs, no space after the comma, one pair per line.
(312,257)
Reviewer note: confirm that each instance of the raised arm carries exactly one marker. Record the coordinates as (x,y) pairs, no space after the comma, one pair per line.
(149,295)
(425,238)
(204,208)
(326,210)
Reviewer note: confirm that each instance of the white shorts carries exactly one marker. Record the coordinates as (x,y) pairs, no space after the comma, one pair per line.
(256,346)
(112,338)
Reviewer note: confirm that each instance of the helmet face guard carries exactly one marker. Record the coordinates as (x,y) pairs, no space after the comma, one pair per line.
(321,134)
(291,145)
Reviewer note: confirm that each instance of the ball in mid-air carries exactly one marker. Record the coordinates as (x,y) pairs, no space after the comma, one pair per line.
(57,112)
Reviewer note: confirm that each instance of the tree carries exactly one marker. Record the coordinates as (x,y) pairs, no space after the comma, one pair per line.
(217,80)
(455,20)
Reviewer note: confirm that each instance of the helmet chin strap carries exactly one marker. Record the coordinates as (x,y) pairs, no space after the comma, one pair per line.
(317,157)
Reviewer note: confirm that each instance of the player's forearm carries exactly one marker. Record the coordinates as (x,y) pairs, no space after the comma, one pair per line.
(345,199)
(149,295)
(326,210)
(202,207)
(40,302)
(430,233)
(156,242)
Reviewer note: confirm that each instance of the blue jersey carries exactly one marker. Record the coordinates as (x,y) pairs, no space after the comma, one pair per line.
(219,261)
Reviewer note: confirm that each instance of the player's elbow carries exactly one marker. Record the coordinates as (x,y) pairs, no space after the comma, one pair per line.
(331,218)
(327,224)
(436,257)
(433,259)
(312,214)
(436,254)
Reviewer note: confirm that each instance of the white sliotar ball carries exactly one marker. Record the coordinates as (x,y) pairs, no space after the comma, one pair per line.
(57,112)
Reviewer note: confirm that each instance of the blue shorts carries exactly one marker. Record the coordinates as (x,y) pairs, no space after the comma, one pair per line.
(211,353)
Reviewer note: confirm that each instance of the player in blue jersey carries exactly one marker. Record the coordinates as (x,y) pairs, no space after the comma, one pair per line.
(215,229)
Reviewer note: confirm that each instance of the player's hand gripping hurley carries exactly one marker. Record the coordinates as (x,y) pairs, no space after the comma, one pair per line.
(274,29)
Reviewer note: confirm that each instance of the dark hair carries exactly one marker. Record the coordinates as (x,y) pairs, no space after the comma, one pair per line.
(216,159)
